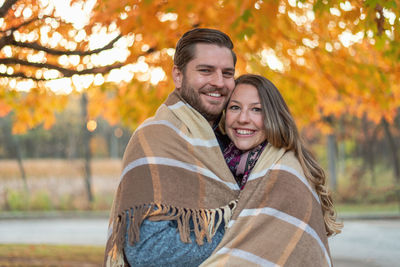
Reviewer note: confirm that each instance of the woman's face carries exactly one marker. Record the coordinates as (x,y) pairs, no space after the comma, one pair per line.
(244,118)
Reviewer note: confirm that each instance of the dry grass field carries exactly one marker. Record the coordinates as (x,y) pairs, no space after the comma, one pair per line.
(57,184)
(50,255)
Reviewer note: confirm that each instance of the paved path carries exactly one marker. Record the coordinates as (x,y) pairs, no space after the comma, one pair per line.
(82,231)
(366,243)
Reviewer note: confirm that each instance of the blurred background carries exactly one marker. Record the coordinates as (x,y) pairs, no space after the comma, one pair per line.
(77,77)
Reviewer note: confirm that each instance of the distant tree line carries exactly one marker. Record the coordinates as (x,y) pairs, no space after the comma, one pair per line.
(64,139)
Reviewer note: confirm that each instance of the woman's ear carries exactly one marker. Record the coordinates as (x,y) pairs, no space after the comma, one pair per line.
(177,76)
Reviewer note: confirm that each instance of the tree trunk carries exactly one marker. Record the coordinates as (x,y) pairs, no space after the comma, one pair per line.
(86,137)
(18,156)
(14,151)
(114,145)
(341,152)
(393,150)
(369,154)
(331,140)
(395,158)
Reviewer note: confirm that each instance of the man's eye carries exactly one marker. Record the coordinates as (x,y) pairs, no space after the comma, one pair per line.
(205,70)
(228,74)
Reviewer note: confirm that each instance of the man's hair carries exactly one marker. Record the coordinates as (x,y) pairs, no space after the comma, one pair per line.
(185,48)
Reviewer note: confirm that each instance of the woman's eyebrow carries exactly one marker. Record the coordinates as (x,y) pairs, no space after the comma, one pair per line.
(237,101)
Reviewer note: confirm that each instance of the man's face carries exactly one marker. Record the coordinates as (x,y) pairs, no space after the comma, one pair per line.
(207,80)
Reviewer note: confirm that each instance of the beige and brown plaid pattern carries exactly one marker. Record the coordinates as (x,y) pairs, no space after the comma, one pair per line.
(278,219)
(173,169)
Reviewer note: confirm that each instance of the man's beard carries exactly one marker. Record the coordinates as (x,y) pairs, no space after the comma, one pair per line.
(192,97)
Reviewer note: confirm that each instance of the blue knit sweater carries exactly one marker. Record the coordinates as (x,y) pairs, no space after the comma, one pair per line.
(160,246)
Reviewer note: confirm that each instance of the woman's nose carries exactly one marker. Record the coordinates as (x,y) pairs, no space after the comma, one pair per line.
(243,117)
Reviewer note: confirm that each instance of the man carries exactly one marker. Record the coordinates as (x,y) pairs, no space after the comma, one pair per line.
(204,75)
(166,196)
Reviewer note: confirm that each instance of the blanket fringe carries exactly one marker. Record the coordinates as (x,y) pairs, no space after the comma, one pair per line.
(205,224)
(115,258)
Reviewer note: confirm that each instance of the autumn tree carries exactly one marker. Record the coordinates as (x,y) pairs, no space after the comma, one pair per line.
(300,45)
(333,60)
(38,45)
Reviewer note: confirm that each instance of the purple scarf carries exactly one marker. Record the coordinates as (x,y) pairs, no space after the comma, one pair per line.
(241,163)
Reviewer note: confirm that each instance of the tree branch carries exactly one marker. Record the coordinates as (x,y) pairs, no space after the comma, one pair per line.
(9,39)
(5,40)
(38,47)
(23,76)
(380,21)
(13,29)
(6,6)
(64,71)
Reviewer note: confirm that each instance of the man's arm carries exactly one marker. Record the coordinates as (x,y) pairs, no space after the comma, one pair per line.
(160,245)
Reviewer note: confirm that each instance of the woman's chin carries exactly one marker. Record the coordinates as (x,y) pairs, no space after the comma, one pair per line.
(245,147)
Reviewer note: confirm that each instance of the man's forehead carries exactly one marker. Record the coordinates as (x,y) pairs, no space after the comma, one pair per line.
(211,54)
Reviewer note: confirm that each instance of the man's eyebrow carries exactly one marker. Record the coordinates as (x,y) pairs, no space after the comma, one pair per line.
(205,66)
(212,67)
(229,69)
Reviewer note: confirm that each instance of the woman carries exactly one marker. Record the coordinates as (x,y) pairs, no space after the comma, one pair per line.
(285,212)
(257,113)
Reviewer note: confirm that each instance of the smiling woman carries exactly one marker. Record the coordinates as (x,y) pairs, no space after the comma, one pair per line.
(281,185)
(257,115)
(244,118)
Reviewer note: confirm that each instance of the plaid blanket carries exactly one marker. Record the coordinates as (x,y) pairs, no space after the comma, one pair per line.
(278,220)
(173,169)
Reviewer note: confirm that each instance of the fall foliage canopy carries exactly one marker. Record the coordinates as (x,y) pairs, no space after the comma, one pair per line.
(329,58)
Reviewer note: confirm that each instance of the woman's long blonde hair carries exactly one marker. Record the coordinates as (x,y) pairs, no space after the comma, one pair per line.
(282,132)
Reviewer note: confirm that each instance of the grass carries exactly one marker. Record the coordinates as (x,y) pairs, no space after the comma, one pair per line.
(50,255)
(48,168)
(368,208)
(57,184)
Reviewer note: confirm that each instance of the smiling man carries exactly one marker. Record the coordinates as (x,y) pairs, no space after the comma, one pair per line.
(207,80)
(167,210)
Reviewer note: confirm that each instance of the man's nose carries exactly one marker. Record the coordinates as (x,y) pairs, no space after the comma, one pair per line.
(217,79)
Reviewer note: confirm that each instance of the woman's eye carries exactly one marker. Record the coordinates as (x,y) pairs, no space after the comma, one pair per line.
(233,107)
(257,109)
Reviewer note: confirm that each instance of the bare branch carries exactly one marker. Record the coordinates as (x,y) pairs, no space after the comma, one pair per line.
(38,47)
(101,70)
(23,76)
(5,40)
(15,61)
(6,6)
(64,71)
(13,29)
